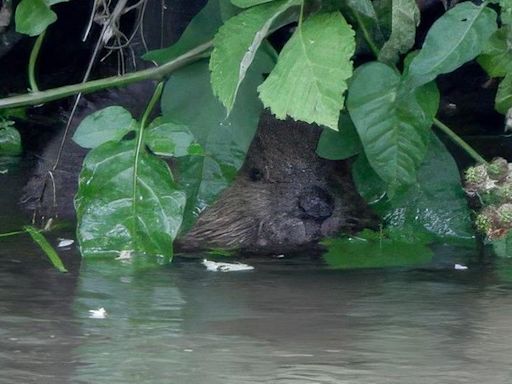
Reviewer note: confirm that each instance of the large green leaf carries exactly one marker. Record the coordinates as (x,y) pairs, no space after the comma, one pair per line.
(10,140)
(236,44)
(435,204)
(364,7)
(200,30)
(504,95)
(32,17)
(455,38)
(404,20)
(375,250)
(188,98)
(309,79)
(339,145)
(127,202)
(506,11)
(496,58)
(393,123)
(107,124)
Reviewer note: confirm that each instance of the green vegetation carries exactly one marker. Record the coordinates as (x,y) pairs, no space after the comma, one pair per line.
(381,113)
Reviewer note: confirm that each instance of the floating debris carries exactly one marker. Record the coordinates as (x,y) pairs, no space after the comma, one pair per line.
(225,267)
(65,243)
(460,267)
(99,313)
(125,256)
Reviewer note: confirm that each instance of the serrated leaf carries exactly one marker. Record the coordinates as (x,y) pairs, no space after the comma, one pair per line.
(10,141)
(32,17)
(115,215)
(405,18)
(188,98)
(392,122)
(236,44)
(111,123)
(172,139)
(496,58)
(454,39)
(249,3)
(504,95)
(200,30)
(310,77)
(339,145)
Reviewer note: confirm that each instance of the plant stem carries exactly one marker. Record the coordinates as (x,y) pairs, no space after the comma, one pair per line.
(140,139)
(157,73)
(34,54)
(7,234)
(458,140)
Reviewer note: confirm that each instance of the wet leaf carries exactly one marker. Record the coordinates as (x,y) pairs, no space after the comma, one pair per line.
(310,77)
(111,123)
(127,203)
(172,139)
(392,122)
(468,26)
(496,58)
(236,44)
(339,145)
(46,247)
(10,141)
(405,18)
(188,98)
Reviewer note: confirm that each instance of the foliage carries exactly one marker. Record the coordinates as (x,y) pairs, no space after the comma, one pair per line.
(128,199)
(46,247)
(10,140)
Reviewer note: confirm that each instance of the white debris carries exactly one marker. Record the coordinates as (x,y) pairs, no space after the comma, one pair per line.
(65,243)
(99,313)
(225,267)
(3,171)
(125,256)
(460,267)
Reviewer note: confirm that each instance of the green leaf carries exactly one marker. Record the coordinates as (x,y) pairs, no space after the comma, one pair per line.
(364,7)
(249,3)
(171,139)
(455,38)
(436,204)
(32,17)
(368,184)
(375,250)
(236,44)
(393,123)
(188,98)
(504,95)
(496,58)
(503,247)
(339,145)
(111,123)
(127,202)
(10,141)
(46,247)
(200,30)
(309,79)
(506,12)
(404,20)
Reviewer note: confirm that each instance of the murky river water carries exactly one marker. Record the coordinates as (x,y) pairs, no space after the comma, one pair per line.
(288,321)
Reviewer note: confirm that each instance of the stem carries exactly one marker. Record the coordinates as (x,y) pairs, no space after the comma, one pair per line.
(458,140)
(140,139)
(33,60)
(369,40)
(11,233)
(157,73)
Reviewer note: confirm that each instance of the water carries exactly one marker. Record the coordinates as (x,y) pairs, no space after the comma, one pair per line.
(288,321)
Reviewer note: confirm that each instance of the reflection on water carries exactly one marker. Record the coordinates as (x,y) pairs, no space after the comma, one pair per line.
(285,322)
(288,321)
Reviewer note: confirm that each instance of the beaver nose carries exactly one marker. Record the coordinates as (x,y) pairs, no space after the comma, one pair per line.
(316,203)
